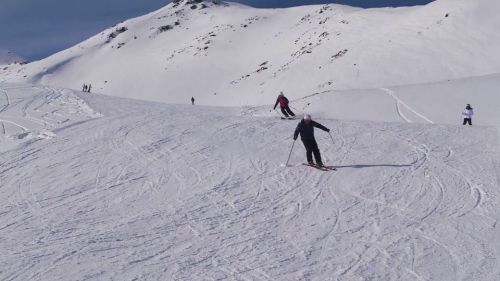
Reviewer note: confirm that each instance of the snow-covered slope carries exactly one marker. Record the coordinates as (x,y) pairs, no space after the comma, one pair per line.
(30,113)
(441,102)
(8,57)
(134,190)
(229,54)
(94,187)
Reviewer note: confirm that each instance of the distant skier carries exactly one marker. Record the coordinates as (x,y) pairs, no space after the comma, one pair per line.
(306,131)
(84,87)
(90,88)
(468,113)
(283,102)
(192,100)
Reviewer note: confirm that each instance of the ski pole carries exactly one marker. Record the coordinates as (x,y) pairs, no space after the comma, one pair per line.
(329,133)
(290,155)
(278,113)
(296,109)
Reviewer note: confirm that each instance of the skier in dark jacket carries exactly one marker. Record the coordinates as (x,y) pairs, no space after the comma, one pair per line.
(192,101)
(283,102)
(306,131)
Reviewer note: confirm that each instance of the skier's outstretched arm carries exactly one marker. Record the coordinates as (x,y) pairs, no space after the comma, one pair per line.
(296,134)
(276,104)
(319,126)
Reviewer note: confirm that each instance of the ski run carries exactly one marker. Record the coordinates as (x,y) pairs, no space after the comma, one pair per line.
(172,165)
(102,188)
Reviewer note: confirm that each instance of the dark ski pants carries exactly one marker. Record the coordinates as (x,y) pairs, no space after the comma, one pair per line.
(312,148)
(287,111)
(467,121)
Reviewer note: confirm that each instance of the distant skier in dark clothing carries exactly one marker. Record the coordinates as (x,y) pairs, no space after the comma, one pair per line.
(468,113)
(192,100)
(283,102)
(90,88)
(84,87)
(306,131)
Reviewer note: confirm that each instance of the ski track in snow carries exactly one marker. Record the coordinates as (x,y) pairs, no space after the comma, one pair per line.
(147,191)
(400,103)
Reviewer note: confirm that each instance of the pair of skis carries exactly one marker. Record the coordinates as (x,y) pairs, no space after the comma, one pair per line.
(321,168)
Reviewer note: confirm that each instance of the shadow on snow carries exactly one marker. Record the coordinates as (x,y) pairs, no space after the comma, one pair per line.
(361,166)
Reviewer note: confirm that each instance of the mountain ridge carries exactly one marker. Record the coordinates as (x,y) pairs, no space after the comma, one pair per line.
(237,55)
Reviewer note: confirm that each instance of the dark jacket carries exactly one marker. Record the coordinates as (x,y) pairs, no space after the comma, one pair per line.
(306,131)
(282,101)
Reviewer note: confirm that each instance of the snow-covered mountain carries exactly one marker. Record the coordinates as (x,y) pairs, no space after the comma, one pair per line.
(229,54)
(8,57)
(96,187)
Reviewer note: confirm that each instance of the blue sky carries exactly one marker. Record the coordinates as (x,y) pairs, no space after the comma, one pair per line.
(37,28)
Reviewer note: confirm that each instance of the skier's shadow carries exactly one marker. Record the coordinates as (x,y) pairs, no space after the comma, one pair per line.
(362,166)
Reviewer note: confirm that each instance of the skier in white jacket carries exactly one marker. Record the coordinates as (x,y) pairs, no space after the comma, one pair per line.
(468,113)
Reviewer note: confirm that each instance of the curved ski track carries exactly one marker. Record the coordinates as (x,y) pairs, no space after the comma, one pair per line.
(146,191)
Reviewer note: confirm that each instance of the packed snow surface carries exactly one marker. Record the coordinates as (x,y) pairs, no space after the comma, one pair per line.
(102,188)
(94,187)
(229,54)
(429,103)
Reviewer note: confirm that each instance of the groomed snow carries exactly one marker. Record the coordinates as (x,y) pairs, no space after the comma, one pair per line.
(95,187)
(133,190)
(429,103)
